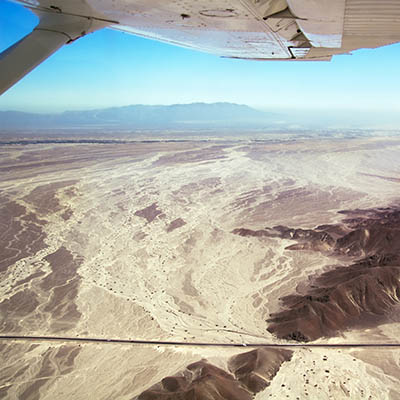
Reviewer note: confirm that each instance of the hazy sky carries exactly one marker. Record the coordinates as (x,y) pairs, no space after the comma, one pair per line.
(110,68)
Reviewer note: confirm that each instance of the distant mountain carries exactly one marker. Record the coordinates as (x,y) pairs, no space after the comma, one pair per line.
(195,115)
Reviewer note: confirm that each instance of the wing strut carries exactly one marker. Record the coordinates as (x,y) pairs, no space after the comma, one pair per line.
(53,31)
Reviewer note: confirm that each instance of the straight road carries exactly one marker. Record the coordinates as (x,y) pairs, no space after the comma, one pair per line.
(194,344)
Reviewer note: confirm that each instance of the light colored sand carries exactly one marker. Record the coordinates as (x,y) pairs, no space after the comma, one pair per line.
(198,282)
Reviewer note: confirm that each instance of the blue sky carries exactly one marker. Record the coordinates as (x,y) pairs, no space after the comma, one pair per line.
(110,68)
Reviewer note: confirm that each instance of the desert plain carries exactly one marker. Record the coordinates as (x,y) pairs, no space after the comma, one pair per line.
(224,243)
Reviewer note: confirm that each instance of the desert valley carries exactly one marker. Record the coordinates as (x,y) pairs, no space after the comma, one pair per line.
(228,243)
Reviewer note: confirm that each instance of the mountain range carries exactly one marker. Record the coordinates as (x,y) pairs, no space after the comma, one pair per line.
(194,115)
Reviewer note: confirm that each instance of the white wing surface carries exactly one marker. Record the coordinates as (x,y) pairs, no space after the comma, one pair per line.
(248,29)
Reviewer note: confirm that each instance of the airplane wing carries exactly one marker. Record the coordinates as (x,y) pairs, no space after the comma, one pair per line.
(292,30)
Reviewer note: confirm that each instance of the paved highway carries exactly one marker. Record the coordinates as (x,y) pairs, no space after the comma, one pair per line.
(195,344)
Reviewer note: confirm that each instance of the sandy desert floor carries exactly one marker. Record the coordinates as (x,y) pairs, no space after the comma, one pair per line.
(140,241)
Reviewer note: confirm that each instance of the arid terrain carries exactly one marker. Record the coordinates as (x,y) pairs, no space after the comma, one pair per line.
(236,242)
